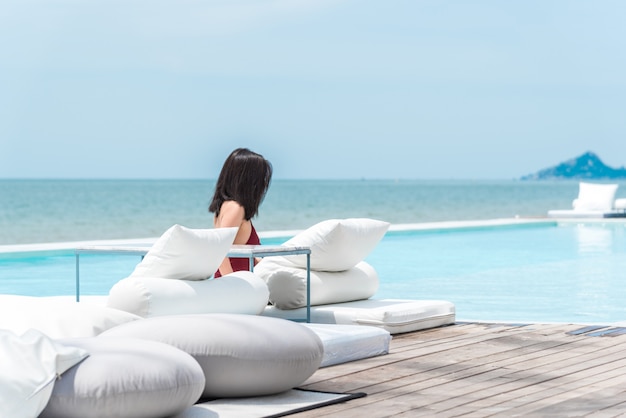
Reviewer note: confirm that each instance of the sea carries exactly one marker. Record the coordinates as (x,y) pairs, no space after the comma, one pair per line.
(57,210)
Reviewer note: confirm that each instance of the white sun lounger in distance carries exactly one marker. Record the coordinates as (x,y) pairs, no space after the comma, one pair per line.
(594,201)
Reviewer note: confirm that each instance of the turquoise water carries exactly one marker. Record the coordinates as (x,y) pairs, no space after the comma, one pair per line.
(37,211)
(569,273)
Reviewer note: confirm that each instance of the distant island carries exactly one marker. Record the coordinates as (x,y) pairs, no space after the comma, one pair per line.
(586,167)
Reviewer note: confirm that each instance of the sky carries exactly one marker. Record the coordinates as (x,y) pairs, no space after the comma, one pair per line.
(325,89)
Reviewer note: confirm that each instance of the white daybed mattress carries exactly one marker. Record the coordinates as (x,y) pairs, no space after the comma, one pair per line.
(343,343)
(582,214)
(393,315)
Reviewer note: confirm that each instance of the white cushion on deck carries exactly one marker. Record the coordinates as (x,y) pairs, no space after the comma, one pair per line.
(240,355)
(394,315)
(344,343)
(29,366)
(238,292)
(58,317)
(126,377)
(287,285)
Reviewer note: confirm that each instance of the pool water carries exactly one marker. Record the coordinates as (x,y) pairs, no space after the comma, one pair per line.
(55,274)
(572,273)
(531,273)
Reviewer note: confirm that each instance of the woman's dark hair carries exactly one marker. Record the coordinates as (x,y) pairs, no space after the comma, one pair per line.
(245,178)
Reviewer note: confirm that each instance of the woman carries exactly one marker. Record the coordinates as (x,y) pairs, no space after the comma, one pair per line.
(240,189)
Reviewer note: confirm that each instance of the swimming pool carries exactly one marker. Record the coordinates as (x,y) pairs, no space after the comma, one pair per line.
(528,272)
(564,273)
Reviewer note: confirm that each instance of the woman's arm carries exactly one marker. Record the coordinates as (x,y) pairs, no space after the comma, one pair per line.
(232,214)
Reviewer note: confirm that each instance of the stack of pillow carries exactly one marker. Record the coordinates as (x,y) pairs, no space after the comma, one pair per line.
(338,270)
(173,278)
(159,367)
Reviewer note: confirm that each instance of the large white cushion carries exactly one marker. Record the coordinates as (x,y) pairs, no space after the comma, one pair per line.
(187,254)
(126,377)
(238,292)
(287,285)
(336,244)
(58,317)
(29,366)
(593,196)
(394,315)
(344,343)
(241,355)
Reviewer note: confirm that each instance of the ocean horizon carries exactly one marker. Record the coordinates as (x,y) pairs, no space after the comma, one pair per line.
(57,210)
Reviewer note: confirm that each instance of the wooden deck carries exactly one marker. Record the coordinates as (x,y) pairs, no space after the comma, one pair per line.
(479,370)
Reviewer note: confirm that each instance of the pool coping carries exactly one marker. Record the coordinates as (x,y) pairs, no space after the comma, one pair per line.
(424,226)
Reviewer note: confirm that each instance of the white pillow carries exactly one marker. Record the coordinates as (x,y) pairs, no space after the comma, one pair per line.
(57,317)
(240,355)
(126,377)
(239,292)
(187,254)
(336,244)
(29,366)
(287,285)
(593,196)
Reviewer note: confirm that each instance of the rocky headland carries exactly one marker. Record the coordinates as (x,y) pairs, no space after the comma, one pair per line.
(585,167)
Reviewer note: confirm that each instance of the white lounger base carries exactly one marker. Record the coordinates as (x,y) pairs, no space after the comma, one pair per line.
(394,315)
(589,214)
(344,343)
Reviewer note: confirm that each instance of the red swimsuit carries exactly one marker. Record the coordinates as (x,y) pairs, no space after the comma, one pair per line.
(239,264)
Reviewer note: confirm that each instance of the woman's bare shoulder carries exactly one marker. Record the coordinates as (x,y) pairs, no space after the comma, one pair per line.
(231,214)
(231,205)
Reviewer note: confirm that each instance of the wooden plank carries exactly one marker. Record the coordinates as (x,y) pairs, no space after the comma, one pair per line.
(528,395)
(603,371)
(476,335)
(421,362)
(477,387)
(586,396)
(477,369)
(504,384)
